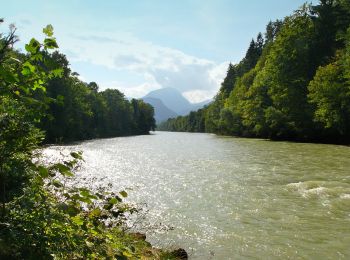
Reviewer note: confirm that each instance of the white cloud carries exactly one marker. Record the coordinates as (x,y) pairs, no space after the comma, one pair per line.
(197,78)
(82,78)
(196,96)
(218,73)
(134,91)
(126,61)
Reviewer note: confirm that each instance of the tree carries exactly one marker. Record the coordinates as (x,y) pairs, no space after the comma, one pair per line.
(286,76)
(229,81)
(329,91)
(143,116)
(272,30)
(93,86)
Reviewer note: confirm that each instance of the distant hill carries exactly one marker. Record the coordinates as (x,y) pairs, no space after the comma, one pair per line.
(171,98)
(175,101)
(161,112)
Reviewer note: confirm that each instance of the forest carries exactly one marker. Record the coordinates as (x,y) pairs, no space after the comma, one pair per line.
(43,101)
(292,84)
(78,111)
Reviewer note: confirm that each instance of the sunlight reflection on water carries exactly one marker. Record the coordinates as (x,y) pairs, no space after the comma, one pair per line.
(229,198)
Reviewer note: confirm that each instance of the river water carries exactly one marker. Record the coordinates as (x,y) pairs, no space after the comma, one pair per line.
(229,198)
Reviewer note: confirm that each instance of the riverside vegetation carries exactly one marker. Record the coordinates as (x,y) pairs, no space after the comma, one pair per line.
(292,84)
(41,100)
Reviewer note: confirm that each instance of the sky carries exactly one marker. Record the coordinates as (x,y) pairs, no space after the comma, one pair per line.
(138,46)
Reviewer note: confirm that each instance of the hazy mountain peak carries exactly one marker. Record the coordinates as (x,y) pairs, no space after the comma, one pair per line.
(173,103)
(161,112)
(172,98)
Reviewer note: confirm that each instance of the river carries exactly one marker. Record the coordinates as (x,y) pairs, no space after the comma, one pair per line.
(229,198)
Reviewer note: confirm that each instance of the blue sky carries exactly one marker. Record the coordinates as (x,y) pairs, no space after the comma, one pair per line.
(138,46)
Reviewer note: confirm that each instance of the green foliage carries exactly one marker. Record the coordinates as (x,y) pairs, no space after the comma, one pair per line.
(48,30)
(329,95)
(229,81)
(329,91)
(21,78)
(272,30)
(194,122)
(286,74)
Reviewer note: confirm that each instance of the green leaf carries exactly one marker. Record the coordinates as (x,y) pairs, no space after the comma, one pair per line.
(37,57)
(84,192)
(113,201)
(50,43)
(85,199)
(33,46)
(123,193)
(57,183)
(38,85)
(96,212)
(64,170)
(72,210)
(74,154)
(30,66)
(8,76)
(43,171)
(26,71)
(78,220)
(62,167)
(108,206)
(57,73)
(127,254)
(24,89)
(60,100)
(89,244)
(48,30)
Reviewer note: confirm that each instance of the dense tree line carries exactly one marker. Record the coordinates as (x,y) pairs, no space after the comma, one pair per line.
(293,83)
(79,111)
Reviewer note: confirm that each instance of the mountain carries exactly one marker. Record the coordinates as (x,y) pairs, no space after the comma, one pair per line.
(175,101)
(161,112)
(171,98)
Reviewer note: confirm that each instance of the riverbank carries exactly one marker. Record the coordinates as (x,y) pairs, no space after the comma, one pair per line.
(272,139)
